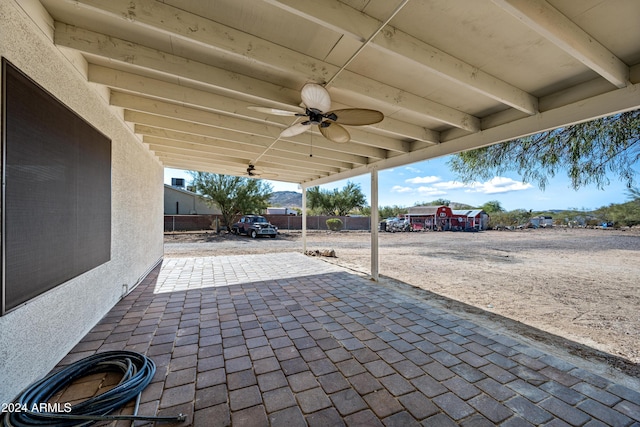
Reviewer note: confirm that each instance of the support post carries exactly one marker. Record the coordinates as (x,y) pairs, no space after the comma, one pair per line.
(304,220)
(374,224)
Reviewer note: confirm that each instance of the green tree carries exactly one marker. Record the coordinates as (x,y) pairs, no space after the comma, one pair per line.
(391,211)
(436,202)
(493,206)
(622,214)
(234,195)
(336,202)
(588,152)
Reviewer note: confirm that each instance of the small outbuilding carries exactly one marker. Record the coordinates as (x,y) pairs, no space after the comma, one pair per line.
(466,219)
(179,201)
(430,217)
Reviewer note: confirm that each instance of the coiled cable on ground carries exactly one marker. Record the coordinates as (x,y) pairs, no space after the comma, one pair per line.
(137,372)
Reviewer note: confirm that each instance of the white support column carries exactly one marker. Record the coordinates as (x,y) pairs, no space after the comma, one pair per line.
(304,220)
(374,224)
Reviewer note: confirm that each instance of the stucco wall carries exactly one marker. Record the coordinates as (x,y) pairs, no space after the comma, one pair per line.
(35,336)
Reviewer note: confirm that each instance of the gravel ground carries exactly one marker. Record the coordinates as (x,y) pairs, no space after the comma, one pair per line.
(575,288)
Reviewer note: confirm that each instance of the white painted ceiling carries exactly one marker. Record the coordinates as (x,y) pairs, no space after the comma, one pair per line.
(449,75)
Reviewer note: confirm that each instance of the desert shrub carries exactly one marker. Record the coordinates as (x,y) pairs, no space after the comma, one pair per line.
(334,224)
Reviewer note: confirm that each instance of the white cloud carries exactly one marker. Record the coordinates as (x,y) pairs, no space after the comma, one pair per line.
(422,190)
(412,169)
(400,189)
(450,185)
(423,180)
(498,184)
(430,191)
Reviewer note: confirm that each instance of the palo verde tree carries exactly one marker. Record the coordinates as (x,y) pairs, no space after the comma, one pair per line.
(234,195)
(336,202)
(589,153)
(492,206)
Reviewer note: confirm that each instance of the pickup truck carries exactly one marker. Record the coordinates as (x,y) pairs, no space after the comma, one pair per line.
(254,226)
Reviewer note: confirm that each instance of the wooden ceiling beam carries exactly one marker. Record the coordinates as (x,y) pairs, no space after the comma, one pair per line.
(161,17)
(549,22)
(343,19)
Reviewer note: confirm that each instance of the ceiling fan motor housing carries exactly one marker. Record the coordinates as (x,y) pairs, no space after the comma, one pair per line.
(315,117)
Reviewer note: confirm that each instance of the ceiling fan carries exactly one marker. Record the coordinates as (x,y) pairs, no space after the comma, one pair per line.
(317,103)
(252,172)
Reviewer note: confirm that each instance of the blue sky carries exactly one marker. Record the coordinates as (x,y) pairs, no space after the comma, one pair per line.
(429,180)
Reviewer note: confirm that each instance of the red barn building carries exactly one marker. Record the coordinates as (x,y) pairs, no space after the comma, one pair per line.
(443,218)
(430,217)
(465,219)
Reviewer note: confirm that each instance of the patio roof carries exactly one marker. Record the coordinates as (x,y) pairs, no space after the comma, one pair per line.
(448,75)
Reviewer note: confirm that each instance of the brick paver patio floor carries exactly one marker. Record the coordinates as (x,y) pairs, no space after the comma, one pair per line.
(287,340)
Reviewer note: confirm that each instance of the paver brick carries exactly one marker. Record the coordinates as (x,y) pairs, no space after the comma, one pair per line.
(333,382)
(324,418)
(418,357)
(383,403)
(624,392)
(280,398)
(445,358)
(418,405)
(461,388)
(401,345)
(244,398)
(302,381)
(177,395)
(390,355)
(565,412)
(528,410)
(439,420)
(397,385)
(560,376)
(294,366)
(350,367)
(313,400)
(271,380)
(348,402)
(598,394)
(455,407)
(363,418)
(400,419)
(438,371)
(631,410)
(497,373)
(210,396)
(322,366)
(379,368)
(604,413)
(563,393)
(490,408)
(365,383)
(286,417)
(220,413)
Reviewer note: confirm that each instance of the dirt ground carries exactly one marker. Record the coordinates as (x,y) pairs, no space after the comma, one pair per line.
(575,288)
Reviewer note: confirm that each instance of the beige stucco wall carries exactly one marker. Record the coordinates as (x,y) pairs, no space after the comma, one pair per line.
(34,337)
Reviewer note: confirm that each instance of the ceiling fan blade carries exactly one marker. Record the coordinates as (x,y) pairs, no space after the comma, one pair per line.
(294,130)
(356,116)
(315,96)
(258,173)
(335,133)
(275,111)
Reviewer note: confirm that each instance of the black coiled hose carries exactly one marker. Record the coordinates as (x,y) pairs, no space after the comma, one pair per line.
(137,369)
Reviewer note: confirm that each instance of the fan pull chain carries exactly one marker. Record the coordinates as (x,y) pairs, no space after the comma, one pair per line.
(311,146)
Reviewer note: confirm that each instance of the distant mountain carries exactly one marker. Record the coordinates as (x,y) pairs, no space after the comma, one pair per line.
(286,199)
